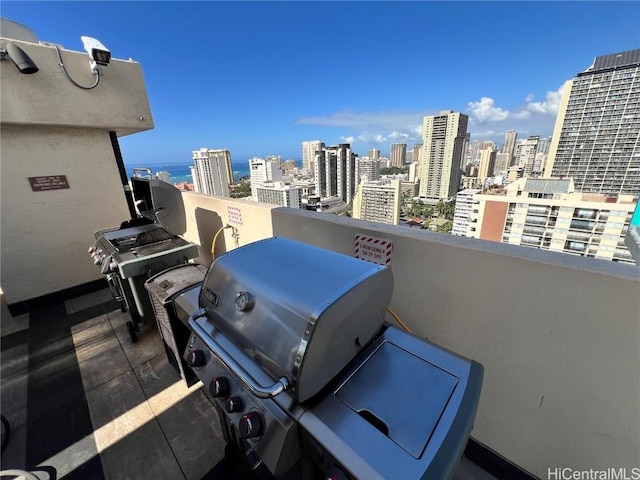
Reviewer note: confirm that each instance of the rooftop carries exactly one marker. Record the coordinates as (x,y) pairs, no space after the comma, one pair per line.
(558,335)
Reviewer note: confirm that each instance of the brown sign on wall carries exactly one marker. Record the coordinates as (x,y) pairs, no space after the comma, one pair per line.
(50,182)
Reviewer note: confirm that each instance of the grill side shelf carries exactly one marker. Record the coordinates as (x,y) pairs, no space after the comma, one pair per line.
(256,389)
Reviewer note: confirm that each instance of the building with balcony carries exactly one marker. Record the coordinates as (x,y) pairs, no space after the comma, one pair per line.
(378,202)
(443,141)
(417,153)
(374,154)
(509,147)
(462,214)
(277,193)
(548,214)
(596,140)
(487,163)
(260,171)
(337,172)
(309,151)
(212,172)
(525,154)
(502,160)
(369,169)
(398,154)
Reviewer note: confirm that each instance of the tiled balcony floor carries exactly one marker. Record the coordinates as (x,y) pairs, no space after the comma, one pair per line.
(84,402)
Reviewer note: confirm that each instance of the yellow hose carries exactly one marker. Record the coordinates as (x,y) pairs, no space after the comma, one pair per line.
(215,239)
(400,322)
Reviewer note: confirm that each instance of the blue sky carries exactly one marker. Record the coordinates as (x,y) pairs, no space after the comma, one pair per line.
(261,77)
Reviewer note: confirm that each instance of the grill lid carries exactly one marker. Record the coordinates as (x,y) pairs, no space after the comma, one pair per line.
(297,310)
(161,202)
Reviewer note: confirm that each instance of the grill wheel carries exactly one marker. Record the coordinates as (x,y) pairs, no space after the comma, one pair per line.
(132,331)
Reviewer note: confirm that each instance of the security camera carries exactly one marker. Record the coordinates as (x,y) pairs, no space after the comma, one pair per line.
(20,59)
(100,55)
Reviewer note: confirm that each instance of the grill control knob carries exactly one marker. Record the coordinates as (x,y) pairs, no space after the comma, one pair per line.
(244,301)
(91,249)
(233,404)
(219,387)
(250,425)
(196,358)
(97,260)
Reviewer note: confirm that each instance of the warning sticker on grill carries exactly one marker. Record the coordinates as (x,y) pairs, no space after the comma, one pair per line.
(373,250)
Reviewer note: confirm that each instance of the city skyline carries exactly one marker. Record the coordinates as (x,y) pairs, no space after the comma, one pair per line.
(252,83)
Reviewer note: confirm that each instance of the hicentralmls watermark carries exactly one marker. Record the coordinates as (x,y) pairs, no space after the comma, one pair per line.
(560,473)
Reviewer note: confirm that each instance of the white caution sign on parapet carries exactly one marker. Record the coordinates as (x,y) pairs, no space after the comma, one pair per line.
(373,250)
(235,215)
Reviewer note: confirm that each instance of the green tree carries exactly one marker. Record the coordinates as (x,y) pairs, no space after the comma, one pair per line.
(446,209)
(445,227)
(242,190)
(393,170)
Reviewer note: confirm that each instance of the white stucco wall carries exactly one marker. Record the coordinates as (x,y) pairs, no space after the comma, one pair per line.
(51,127)
(44,235)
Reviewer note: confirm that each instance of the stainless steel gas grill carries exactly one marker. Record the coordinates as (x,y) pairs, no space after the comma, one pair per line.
(128,255)
(307,378)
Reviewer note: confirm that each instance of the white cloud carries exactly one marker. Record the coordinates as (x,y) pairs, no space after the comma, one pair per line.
(486,111)
(396,136)
(367,137)
(521,114)
(487,120)
(549,106)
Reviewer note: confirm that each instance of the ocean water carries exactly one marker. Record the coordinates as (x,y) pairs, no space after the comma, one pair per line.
(181,173)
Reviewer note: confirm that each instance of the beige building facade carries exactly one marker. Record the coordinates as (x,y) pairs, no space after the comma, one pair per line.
(443,144)
(550,215)
(378,202)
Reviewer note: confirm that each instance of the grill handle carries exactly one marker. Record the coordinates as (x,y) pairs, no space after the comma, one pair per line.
(258,390)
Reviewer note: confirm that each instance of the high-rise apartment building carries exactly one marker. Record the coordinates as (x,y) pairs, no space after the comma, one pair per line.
(262,170)
(542,154)
(369,170)
(548,214)
(288,166)
(378,202)
(414,172)
(275,158)
(443,141)
(374,154)
(543,145)
(502,163)
(465,151)
(526,154)
(487,163)
(212,172)
(596,140)
(337,172)
(417,152)
(398,154)
(509,147)
(309,150)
